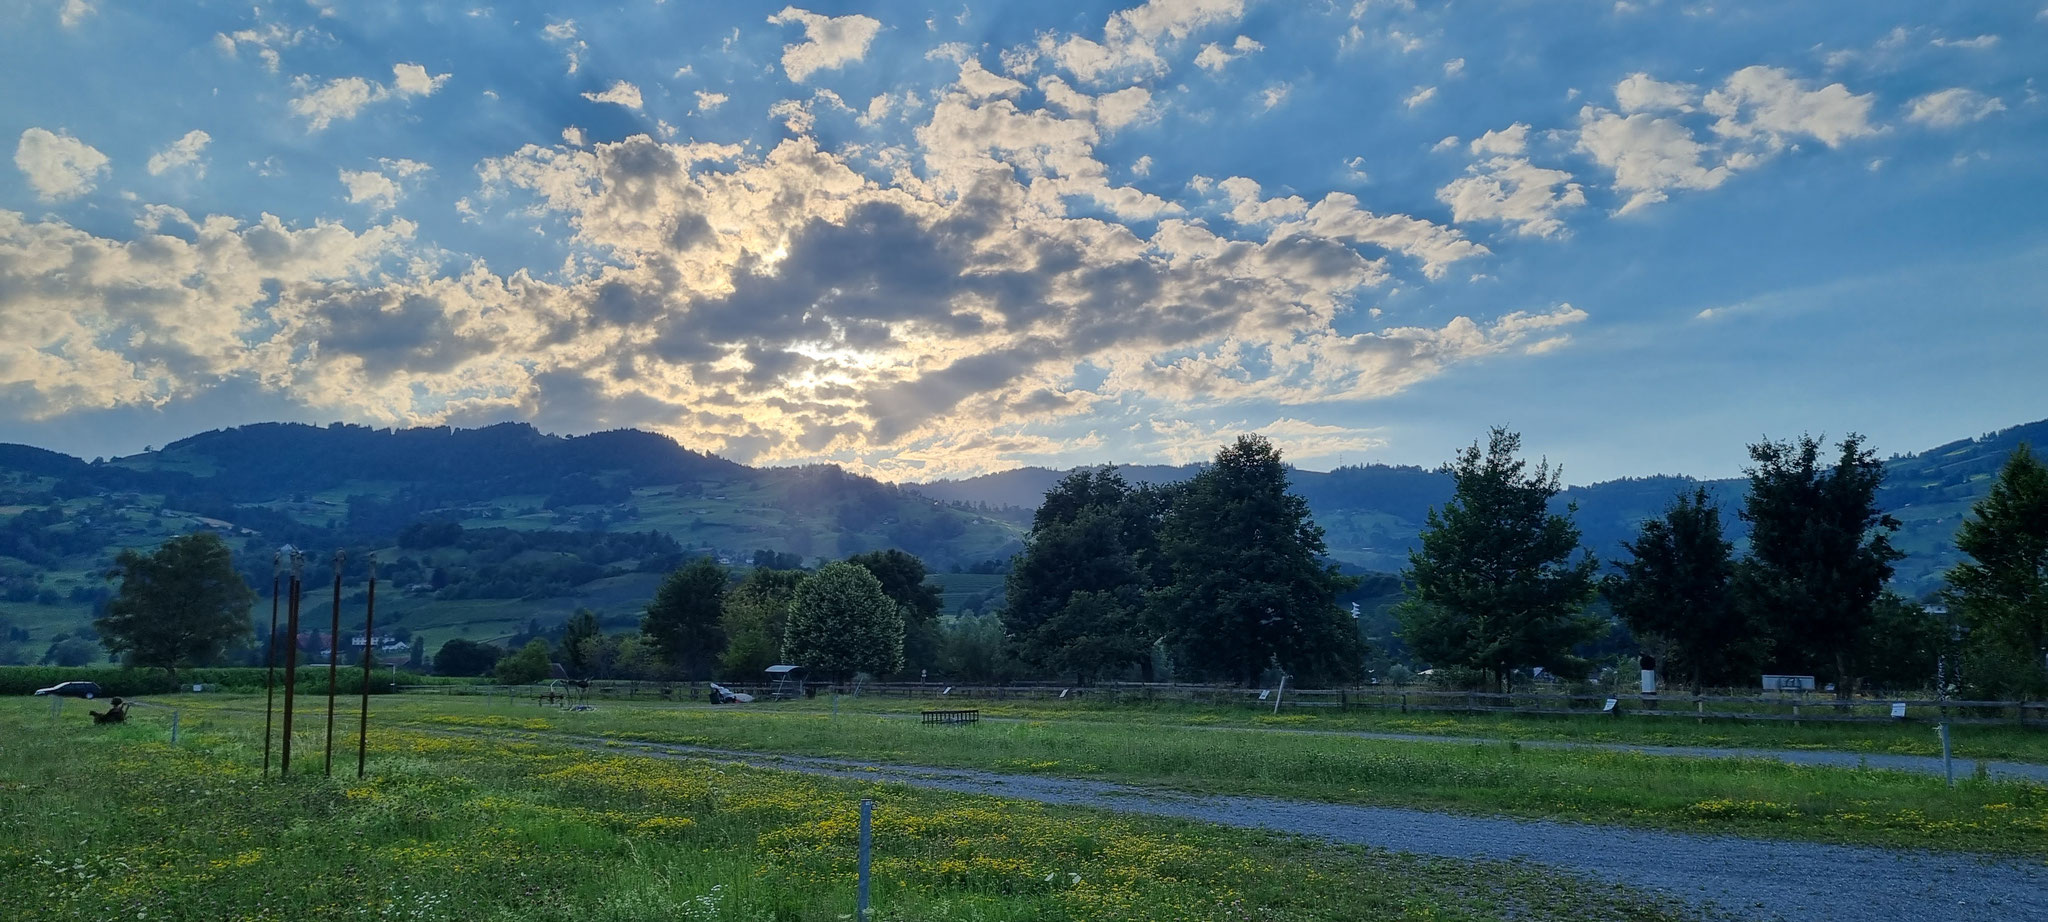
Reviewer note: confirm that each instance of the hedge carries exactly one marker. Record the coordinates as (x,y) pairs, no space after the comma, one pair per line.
(127,682)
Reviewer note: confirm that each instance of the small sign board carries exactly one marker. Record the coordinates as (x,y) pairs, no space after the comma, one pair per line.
(1898,709)
(948,691)
(1265,693)
(1063,692)
(1608,708)
(1788,683)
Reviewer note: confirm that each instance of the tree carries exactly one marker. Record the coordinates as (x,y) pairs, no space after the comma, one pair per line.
(682,619)
(1904,645)
(1820,553)
(1077,601)
(1675,591)
(578,635)
(902,576)
(842,623)
(70,652)
(755,614)
(466,657)
(2001,592)
(527,666)
(1494,585)
(1249,587)
(182,605)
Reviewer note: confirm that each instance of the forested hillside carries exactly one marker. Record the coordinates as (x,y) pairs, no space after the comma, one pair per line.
(489,533)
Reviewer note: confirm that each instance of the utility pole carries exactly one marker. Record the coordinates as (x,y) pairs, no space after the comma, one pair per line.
(270,657)
(291,659)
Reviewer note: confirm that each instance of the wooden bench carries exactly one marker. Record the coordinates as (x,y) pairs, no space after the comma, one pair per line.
(951,717)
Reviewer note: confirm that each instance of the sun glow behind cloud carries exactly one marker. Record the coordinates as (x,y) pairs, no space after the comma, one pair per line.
(840,238)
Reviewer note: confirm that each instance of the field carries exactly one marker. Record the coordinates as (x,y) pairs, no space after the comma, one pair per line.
(115,822)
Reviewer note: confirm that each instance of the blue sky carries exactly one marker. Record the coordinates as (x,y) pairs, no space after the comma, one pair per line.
(934,241)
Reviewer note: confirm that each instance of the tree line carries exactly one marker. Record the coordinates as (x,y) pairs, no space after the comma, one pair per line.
(1225,577)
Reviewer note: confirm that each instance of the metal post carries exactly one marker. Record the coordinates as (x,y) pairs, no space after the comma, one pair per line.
(333,663)
(867,812)
(1948,767)
(1280,694)
(291,661)
(174,728)
(369,644)
(270,657)
(835,704)
(56,702)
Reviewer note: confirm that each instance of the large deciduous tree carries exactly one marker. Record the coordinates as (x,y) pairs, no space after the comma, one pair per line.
(466,657)
(1250,588)
(842,623)
(1500,582)
(2001,592)
(181,605)
(683,617)
(1820,553)
(755,617)
(1675,592)
(1076,596)
(902,576)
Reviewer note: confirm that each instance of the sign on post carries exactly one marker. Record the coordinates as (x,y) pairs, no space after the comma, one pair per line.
(1801,683)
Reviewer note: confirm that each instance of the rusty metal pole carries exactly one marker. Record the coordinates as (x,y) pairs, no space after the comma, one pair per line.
(333,662)
(270,658)
(291,661)
(369,644)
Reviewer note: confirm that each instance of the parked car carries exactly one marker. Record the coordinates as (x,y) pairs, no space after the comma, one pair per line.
(72,690)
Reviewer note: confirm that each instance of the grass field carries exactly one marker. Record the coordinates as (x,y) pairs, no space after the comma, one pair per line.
(100,823)
(1735,796)
(1977,741)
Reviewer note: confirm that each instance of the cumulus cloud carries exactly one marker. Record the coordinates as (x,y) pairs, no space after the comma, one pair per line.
(369,187)
(1420,96)
(1213,56)
(707,100)
(620,93)
(1529,198)
(1133,39)
(343,98)
(1769,105)
(1952,107)
(182,153)
(75,12)
(830,42)
(57,165)
(1757,112)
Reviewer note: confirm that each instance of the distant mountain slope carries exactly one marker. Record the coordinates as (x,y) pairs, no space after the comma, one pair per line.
(1373,513)
(479,532)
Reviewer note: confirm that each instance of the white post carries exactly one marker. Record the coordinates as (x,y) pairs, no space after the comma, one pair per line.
(1948,767)
(1281,694)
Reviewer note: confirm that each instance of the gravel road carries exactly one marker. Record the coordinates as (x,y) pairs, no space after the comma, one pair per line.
(1742,878)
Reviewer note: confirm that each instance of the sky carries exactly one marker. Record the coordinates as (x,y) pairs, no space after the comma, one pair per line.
(933,241)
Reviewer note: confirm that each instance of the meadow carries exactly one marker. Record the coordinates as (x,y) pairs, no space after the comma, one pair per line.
(1753,797)
(1969,741)
(100,823)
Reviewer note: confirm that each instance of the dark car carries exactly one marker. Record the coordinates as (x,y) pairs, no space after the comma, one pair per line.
(72,690)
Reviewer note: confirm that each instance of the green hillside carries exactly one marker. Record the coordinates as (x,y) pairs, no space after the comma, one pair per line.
(478,533)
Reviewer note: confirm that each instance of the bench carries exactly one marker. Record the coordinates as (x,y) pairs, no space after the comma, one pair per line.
(951,717)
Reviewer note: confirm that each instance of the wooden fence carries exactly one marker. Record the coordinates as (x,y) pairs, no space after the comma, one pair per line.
(1814,707)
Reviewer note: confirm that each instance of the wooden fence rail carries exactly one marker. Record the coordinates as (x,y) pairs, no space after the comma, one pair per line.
(1818,708)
